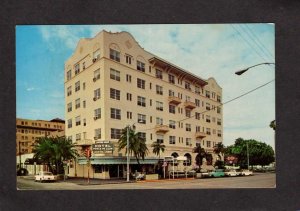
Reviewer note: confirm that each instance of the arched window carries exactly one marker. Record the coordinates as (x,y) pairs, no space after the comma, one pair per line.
(175,154)
(188,160)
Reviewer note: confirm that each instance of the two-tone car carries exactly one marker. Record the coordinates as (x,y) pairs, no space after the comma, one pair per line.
(217,173)
(45,176)
(231,173)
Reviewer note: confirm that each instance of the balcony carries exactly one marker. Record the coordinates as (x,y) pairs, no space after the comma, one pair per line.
(161,128)
(200,135)
(174,100)
(189,105)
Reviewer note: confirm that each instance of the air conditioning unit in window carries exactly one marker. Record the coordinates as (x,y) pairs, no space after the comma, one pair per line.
(94,79)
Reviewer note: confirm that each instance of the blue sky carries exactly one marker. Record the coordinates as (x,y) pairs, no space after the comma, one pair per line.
(211,50)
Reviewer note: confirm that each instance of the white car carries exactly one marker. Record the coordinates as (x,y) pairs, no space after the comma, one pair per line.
(231,173)
(45,176)
(246,172)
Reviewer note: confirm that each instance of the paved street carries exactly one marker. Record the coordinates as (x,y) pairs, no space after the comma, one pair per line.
(259,180)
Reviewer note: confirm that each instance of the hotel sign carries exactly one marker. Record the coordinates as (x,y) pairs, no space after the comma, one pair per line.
(102,147)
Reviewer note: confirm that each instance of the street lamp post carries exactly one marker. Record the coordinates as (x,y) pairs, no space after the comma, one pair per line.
(127,147)
(240,72)
(247,155)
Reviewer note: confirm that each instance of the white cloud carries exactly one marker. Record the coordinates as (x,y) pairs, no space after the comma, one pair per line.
(30,89)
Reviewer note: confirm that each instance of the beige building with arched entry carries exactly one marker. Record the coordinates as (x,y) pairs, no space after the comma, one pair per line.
(112,82)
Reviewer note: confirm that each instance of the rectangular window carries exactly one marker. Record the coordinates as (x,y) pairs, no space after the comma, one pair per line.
(172,79)
(187,85)
(69,107)
(128,78)
(69,90)
(213,119)
(207,118)
(69,123)
(140,66)
(213,95)
(197,102)
(142,136)
(188,127)
(77,69)
(159,106)
(83,65)
(141,119)
(115,133)
(114,74)
(197,115)
(97,133)
(128,59)
(129,115)
(172,108)
(172,124)
(158,74)
(77,103)
(197,90)
(187,112)
(159,90)
(97,113)
(172,139)
(77,120)
(114,94)
(96,75)
(219,133)
(97,94)
(188,142)
(141,101)
(207,94)
(77,86)
(171,93)
(96,55)
(208,144)
(141,83)
(207,106)
(84,103)
(115,55)
(78,137)
(187,98)
(208,131)
(115,113)
(219,122)
(198,128)
(159,138)
(129,96)
(218,98)
(69,75)
(218,110)
(159,121)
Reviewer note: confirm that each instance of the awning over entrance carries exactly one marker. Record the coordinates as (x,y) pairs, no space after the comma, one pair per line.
(115,160)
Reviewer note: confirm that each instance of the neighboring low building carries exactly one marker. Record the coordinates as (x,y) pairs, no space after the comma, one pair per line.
(27,131)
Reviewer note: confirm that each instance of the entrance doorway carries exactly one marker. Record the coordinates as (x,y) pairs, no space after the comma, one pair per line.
(115,171)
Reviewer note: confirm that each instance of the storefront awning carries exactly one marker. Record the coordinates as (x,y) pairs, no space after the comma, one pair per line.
(115,160)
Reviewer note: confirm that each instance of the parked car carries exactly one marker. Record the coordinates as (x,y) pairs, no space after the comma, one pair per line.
(217,173)
(45,176)
(246,172)
(231,172)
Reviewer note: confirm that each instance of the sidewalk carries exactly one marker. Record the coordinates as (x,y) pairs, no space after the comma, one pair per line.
(84,181)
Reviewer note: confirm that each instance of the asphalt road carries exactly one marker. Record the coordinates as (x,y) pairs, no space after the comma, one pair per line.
(258,180)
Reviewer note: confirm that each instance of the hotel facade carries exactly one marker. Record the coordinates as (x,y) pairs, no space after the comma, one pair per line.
(112,82)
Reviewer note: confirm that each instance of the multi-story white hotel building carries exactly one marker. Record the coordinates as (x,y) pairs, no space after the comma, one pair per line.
(112,82)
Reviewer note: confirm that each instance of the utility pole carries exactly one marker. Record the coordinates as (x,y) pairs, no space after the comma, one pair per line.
(20,160)
(247,155)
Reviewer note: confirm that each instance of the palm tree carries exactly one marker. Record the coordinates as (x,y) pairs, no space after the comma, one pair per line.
(157,148)
(54,150)
(137,144)
(201,154)
(219,149)
(273,125)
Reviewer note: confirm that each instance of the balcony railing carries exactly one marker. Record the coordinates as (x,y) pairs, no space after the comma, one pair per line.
(189,105)
(162,128)
(174,100)
(200,135)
